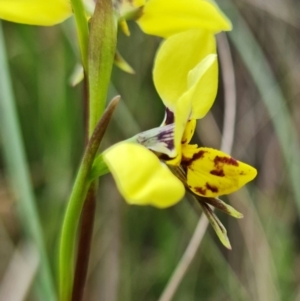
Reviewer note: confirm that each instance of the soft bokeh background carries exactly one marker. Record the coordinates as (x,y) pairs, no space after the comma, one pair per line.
(135,249)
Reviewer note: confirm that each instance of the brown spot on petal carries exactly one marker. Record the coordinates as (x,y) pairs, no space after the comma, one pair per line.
(218,172)
(186,162)
(198,155)
(212,188)
(185,159)
(200,190)
(226,160)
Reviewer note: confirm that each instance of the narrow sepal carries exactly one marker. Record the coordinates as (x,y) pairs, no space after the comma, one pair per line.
(216,224)
(122,64)
(219,204)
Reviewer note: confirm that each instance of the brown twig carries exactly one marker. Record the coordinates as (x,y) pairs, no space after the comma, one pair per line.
(87,216)
(84,244)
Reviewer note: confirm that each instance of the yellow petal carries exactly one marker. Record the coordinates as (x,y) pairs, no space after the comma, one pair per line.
(35,12)
(141,178)
(197,100)
(177,56)
(188,151)
(182,115)
(189,131)
(211,173)
(203,83)
(167,17)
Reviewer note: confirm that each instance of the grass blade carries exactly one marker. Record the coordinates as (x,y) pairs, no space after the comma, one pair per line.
(271,94)
(15,159)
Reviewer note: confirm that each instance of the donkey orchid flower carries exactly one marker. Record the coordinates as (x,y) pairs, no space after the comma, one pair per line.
(186,80)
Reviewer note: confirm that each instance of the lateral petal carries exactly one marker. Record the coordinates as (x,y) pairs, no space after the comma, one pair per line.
(176,57)
(211,173)
(203,86)
(35,12)
(189,131)
(168,17)
(141,178)
(197,100)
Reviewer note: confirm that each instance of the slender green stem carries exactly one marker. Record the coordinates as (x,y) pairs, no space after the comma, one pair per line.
(102,48)
(20,176)
(82,30)
(75,205)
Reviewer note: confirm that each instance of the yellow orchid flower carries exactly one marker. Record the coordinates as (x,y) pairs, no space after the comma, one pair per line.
(35,12)
(186,80)
(165,18)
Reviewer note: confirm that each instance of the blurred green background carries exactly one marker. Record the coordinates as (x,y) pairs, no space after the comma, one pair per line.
(135,249)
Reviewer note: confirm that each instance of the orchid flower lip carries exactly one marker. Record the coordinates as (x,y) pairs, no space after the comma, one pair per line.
(160,140)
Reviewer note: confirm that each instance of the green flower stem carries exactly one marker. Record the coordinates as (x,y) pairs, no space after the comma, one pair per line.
(102,48)
(15,159)
(82,30)
(75,205)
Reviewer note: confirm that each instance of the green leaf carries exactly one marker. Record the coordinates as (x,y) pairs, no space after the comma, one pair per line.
(15,159)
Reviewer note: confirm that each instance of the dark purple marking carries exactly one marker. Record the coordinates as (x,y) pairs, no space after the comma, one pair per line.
(164,157)
(169,117)
(165,137)
(211,188)
(226,160)
(218,172)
